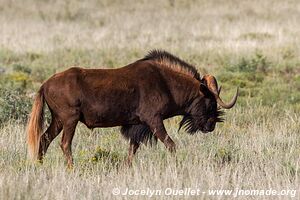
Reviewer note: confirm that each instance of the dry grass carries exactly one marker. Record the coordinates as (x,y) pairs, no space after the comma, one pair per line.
(247,152)
(256,148)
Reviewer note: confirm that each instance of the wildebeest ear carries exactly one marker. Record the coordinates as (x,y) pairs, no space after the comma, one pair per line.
(204,90)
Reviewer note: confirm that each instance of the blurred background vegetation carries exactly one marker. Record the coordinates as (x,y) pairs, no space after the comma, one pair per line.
(253,45)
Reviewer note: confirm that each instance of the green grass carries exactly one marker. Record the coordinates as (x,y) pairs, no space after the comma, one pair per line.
(252,45)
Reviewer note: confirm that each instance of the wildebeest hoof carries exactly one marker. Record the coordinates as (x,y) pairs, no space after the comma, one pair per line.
(170,146)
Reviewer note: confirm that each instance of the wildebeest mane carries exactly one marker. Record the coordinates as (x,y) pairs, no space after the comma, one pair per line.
(191,123)
(166,59)
(139,133)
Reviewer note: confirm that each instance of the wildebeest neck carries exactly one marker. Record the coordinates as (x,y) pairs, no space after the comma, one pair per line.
(184,89)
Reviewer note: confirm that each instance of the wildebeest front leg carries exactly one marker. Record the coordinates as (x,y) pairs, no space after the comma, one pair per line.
(133,146)
(158,129)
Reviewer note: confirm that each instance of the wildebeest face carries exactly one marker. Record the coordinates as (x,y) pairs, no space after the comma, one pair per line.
(210,115)
(202,116)
(203,113)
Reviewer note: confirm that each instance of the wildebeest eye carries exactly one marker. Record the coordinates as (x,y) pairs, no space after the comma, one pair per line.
(214,112)
(211,109)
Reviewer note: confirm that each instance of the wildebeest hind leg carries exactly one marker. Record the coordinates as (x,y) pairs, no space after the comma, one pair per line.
(66,142)
(50,134)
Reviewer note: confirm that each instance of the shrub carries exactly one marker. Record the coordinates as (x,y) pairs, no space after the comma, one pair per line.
(258,63)
(14,106)
(18,79)
(223,156)
(256,36)
(21,68)
(104,155)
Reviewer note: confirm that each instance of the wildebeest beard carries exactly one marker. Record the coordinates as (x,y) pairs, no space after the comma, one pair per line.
(194,123)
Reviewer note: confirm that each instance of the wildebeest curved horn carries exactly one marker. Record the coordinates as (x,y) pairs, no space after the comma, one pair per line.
(231,103)
(211,83)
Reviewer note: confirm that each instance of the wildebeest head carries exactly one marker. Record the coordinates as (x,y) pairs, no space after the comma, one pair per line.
(204,113)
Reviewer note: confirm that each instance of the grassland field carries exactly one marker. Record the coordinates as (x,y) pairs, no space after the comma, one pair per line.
(254,45)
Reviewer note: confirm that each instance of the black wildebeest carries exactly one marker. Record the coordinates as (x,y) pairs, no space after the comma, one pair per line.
(137,97)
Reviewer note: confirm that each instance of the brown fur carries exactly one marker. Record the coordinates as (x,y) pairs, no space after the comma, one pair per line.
(137,97)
